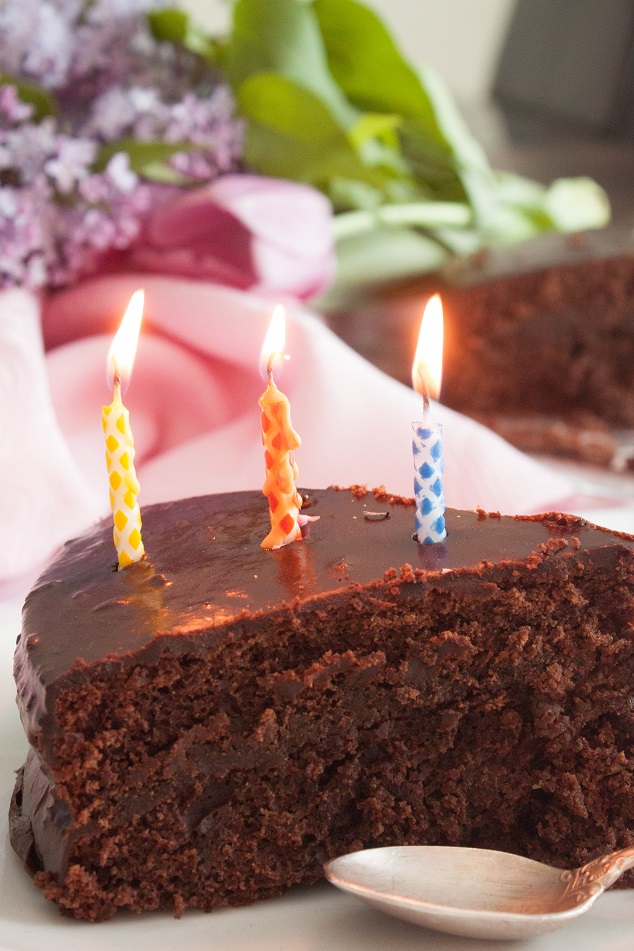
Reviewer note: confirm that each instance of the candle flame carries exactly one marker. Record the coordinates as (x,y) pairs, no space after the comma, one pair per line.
(123,347)
(427,366)
(272,353)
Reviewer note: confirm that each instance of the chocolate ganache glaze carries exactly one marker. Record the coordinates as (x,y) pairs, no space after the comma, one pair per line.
(205,570)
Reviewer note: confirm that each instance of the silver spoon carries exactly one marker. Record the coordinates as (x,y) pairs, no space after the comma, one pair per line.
(476,893)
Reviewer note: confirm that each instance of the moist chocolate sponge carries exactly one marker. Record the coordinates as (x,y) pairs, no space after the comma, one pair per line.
(208,727)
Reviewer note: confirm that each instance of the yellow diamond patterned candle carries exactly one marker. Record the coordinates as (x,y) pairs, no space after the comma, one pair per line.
(280,441)
(124,485)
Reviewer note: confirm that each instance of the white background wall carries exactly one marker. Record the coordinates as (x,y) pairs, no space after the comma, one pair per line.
(459,38)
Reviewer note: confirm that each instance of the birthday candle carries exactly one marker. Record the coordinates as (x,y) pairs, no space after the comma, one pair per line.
(427,441)
(124,485)
(280,441)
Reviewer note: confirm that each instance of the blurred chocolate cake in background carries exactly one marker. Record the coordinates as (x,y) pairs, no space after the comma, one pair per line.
(539,339)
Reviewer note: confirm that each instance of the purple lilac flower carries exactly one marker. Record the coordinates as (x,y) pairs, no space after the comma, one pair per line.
(27,147)
(46,241)
(35,39)
(85,231)
(58,216)
(118,113)
(112,43)
(59,43)
(70,163)
(12,109)
(209,122)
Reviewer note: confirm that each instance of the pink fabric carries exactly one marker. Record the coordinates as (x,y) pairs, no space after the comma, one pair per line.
(44,496)
(265,234)
(194,413)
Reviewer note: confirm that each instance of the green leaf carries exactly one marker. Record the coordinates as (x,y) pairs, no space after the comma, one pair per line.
(422,214)
(283,36)
(374,75)
(516,190)
(374,153)
(175,26)
(372,125)
(291,134)
(430,160)
(170,25)
(164,173)
(366,62)
(289,107)
(577,203)
(42,101)
(385,254)
(330,100)
(347,193)
(147,159)
(446,127)
(527,208)
(459,241)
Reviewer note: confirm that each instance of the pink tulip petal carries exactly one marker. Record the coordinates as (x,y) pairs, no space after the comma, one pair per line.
(246,231)
(289,215)
(297,276)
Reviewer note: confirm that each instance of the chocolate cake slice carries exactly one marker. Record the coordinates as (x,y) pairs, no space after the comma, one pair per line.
(210,726)
(547,325)
(539,337)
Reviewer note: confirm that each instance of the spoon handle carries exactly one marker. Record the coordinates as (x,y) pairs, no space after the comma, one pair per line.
(593,878)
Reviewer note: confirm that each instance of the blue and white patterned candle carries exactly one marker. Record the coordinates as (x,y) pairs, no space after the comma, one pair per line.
(427,442)
(428,487)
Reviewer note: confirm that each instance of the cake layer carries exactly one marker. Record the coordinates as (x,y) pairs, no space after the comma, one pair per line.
(209,727)
(564,301)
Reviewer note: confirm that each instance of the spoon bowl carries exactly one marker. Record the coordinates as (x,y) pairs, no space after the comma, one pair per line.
(476,893)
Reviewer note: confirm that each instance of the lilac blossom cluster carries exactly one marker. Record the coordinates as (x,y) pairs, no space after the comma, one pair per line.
(140,113)
(70,44)
(57,216)
(60,212)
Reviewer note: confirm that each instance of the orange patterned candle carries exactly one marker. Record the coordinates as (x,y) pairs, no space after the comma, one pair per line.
(124,485)
(280,441)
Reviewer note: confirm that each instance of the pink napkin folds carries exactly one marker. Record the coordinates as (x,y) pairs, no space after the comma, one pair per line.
(193,403)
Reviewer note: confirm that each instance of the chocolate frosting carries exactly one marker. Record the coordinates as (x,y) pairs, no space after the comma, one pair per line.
(205,569)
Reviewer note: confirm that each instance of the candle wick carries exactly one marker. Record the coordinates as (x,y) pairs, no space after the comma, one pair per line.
(425,395)
(269,365)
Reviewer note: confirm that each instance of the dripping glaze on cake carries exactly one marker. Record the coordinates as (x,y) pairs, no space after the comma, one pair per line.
(208,727)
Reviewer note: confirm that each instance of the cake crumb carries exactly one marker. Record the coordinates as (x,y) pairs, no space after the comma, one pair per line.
(576,544)
(482,513)
(382,495)
(376,516)
(340,570)
(553,545)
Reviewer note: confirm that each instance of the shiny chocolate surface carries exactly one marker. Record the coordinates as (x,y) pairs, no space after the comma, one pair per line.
(205,568)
